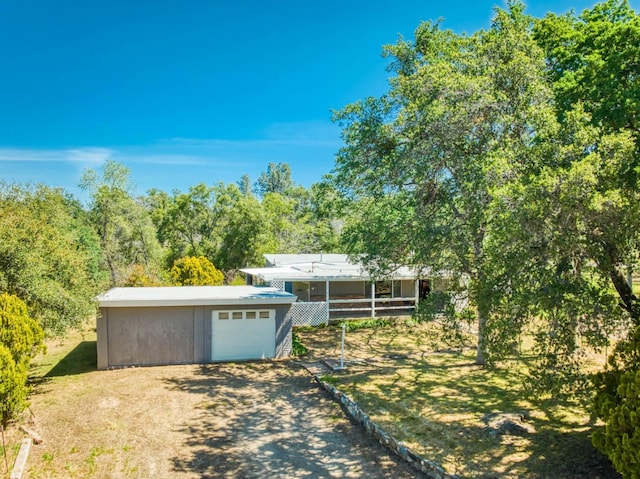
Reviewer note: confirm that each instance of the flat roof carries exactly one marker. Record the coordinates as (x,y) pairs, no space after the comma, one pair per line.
(292,259)
(194,296)
(322,271)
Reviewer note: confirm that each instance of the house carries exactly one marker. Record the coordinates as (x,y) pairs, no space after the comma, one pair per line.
(192,324)
(330,286)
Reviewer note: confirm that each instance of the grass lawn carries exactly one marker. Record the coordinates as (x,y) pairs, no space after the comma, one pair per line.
(435,402)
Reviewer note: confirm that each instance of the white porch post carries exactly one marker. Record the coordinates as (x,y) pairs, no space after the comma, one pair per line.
(373,299)
(417,292)
(327,298)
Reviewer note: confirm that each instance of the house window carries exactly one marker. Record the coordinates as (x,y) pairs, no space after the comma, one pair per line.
(383,289)
(397,289)
(389,289)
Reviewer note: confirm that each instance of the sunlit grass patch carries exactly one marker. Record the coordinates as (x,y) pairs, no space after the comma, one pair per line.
(436,400)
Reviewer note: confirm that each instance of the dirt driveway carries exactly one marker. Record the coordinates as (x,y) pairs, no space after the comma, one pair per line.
(273,421)
(248,420)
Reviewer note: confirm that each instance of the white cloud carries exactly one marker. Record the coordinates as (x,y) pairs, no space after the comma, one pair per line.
(84,156)
(302,134)
(177,163)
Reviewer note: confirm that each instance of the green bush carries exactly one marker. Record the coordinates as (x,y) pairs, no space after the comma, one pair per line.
(620,409)
(13,387)
(372,323)
(617,403)
(195,271)
(298,348)
(20,339)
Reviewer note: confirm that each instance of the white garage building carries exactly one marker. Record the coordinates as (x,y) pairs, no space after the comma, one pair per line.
(192,324)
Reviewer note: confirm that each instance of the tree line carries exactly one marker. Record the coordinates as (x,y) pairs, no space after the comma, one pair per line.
(57,255)
(505,161)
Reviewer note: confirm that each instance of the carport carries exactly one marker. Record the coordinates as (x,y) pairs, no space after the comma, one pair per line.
(192,324)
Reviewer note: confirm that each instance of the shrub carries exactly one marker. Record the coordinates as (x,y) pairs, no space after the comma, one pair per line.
(140,277)
(13,387)
(621,412)
(297,347)
(617,403)
(372,323)
(20,339)
(195,271)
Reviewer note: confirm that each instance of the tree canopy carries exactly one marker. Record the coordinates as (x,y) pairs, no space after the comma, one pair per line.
(462,116)
(195,271)
(49,257)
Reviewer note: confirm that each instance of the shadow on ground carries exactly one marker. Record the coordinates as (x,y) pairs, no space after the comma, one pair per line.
(82,359)
(272,420)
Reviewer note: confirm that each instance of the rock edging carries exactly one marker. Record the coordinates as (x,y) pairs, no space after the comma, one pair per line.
(430,468)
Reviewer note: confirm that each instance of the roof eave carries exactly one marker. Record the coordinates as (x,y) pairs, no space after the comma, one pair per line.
(138,303)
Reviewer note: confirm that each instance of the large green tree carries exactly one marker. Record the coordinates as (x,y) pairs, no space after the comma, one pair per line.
(241,230)
(462,117)
(49,256)
(563,238)
(186,222)
(219,222)
(126,231)
(277,179)
(593,60)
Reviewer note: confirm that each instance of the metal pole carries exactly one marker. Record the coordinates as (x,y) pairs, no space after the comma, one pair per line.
(328,300)
(373,299)
(344,327)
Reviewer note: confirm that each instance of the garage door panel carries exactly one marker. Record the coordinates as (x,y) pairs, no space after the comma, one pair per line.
(239,339)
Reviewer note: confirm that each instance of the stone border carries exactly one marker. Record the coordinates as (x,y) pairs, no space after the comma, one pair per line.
(430,468)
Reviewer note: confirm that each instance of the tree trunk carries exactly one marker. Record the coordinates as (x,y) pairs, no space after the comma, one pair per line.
(478,290)
(625,292)
(482,321)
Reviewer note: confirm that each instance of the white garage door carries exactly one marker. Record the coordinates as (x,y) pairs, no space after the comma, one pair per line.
(243,334)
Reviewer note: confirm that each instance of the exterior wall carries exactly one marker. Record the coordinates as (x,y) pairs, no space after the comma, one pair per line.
(300,289)
(149,336)
(170,335)
(318,290)
(284,340)
(102,343)
(352,289)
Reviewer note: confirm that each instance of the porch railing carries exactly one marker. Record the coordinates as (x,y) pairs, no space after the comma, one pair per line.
(314,313)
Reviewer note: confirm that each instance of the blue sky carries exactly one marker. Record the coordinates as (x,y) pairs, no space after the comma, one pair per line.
(184,92)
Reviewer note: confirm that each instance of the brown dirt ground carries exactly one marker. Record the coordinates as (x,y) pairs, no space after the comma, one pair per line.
(242,420)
